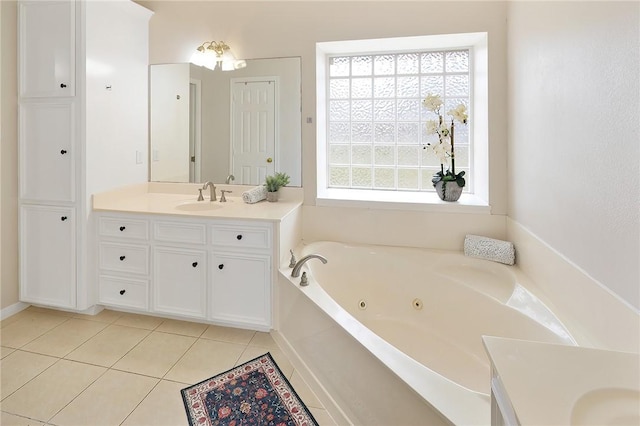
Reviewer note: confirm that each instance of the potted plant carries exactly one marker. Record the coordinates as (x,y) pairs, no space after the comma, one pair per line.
(448,184)
(273,184)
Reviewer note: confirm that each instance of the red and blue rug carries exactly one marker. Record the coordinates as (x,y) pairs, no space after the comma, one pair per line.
(254,393)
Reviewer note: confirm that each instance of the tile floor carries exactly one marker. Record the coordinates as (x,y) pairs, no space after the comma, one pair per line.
(114,368)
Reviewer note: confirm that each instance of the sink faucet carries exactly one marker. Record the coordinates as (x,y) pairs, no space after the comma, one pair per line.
(212,189)
(296,269)
(230,178)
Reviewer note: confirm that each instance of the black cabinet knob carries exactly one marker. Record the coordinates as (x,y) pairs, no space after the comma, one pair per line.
(122,257)
(220,266)
(63,151)
(63,218)
(122,228)
(194,264)
(239,237)
(123,291)
(62,85)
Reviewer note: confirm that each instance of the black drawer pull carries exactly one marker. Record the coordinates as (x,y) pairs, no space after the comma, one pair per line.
(122,292)
(122,257)
(63,218)
(62,85)
(194,264)
(63,151)
(239,237)
(220,266)
(122,228)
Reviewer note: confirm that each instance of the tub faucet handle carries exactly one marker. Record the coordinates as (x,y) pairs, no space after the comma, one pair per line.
(303,280)
(293,260)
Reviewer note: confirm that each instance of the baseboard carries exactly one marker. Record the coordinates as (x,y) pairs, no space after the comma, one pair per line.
(13,309)
(595,315)
(330,405)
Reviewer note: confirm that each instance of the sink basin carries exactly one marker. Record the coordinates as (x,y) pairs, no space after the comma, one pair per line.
(198,206)
(607,406)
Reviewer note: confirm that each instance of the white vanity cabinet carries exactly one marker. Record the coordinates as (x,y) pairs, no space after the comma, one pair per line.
(241,273)
(179,268)
(47,48)
(212,270)
(83,113)
(48,240)
(123,253)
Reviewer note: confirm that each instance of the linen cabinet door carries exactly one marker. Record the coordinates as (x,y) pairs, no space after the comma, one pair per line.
(47,152)
(241,291)
(179,278)
(47,48)
(47,256)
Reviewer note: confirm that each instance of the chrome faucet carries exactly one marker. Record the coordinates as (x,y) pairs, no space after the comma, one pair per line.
(212,189)
(296,269)
(230,178)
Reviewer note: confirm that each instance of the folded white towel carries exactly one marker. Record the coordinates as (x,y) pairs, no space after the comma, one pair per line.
(254,195)
(490,249)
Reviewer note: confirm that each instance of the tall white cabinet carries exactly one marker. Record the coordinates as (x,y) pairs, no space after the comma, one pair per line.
(83,114)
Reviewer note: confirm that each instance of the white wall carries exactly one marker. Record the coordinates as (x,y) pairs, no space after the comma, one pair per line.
(574,102)
(9,155)
(262,29)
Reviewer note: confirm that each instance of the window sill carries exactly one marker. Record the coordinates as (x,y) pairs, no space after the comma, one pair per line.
(393,200)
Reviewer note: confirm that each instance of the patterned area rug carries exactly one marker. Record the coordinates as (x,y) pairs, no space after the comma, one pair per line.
(254,393)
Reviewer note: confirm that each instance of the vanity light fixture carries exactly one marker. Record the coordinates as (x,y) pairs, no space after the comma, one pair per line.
(212,53)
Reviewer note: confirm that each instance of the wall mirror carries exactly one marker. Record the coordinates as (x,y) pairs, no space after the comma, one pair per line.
(206,125)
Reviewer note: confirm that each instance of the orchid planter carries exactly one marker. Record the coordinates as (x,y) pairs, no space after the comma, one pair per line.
(448,190)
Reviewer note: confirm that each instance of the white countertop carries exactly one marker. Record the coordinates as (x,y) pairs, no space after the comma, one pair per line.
(550,384)
(164,198)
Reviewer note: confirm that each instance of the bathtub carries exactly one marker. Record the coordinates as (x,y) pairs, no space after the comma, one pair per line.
(393,335)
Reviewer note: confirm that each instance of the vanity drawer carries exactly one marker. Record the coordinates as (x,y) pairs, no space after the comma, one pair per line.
(123,228)
(241,236)
(125,292)
(178,232)
(124,258)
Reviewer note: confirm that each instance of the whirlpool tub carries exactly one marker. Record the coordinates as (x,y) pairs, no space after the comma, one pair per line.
(393,336)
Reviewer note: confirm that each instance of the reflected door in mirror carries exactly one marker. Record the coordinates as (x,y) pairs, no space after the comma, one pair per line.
(253,124)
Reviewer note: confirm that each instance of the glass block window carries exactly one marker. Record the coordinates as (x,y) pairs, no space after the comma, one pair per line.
(376,121)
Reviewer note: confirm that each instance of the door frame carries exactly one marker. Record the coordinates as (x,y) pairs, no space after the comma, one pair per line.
(197,118)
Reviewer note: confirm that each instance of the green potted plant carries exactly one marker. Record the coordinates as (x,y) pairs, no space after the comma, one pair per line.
(448,184)
(274,183)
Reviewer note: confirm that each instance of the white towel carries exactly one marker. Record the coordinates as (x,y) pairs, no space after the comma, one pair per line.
(254,195)
(490,249)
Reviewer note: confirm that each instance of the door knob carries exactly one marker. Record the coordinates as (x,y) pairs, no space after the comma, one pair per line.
(269,160)
(63,151)
(123,291)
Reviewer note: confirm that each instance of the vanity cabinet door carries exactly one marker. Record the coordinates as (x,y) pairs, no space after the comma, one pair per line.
(47,48)
(47,152)
(47,256)
(240,290)
(179,281)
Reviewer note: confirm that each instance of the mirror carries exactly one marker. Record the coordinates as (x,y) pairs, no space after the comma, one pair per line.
(206,125)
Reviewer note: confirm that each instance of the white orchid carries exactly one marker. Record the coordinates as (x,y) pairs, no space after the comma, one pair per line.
(432,127)
(432,102)
(443,149)
(459,113)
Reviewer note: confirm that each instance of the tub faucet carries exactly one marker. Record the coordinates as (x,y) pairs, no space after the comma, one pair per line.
(230,178)
(212,189)
(296,269)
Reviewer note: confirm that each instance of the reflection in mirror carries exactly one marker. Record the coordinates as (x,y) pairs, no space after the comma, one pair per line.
(206,125)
